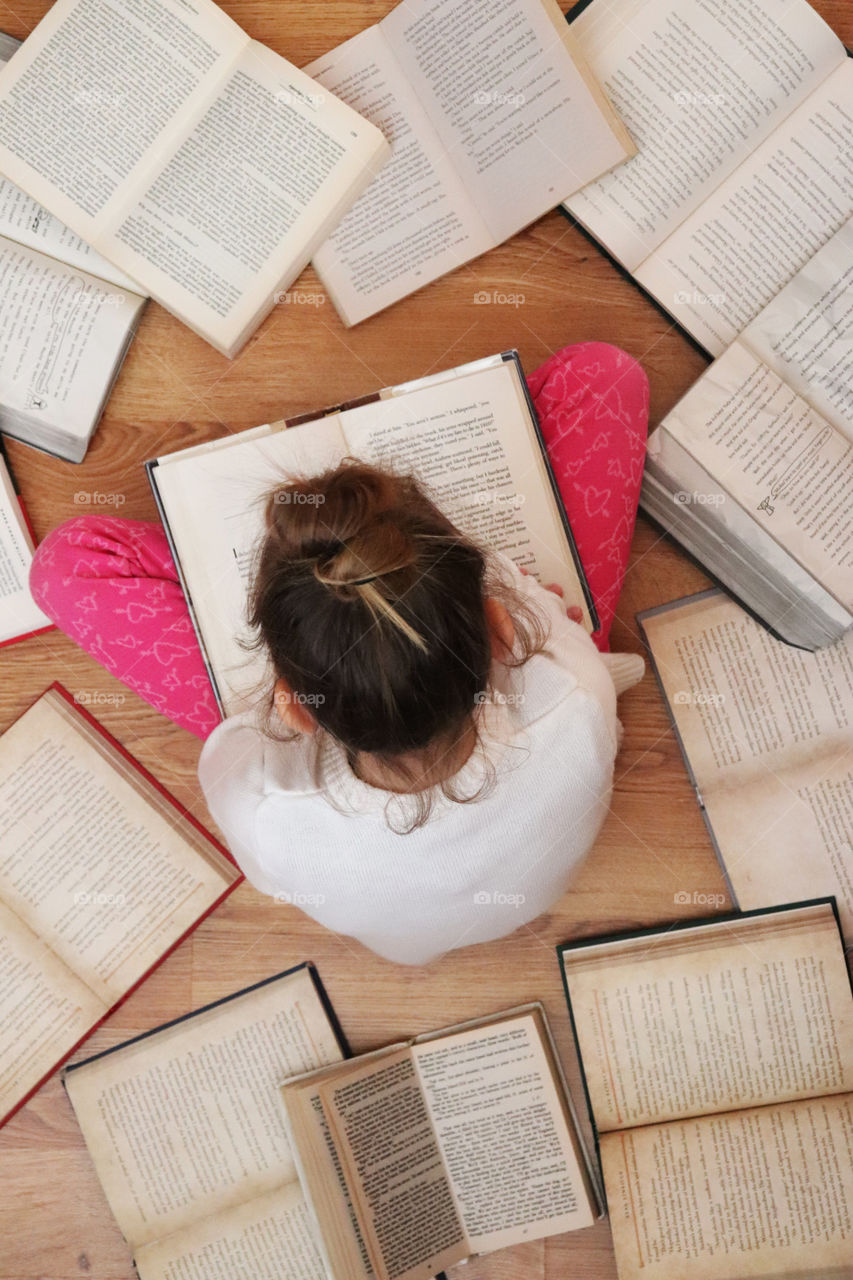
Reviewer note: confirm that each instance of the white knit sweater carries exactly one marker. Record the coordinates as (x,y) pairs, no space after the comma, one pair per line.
(306,830)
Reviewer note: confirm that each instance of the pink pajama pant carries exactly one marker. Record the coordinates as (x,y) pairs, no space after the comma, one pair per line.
(111,584)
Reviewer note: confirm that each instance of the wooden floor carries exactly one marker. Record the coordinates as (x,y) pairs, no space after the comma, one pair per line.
(175,390)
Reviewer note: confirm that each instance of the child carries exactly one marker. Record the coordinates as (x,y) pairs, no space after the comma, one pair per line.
(438,755)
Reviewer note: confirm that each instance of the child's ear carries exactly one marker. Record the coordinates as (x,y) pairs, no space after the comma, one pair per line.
(292,713)
(501,628)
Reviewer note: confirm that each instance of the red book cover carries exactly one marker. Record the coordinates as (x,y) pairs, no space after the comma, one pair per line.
(183,815)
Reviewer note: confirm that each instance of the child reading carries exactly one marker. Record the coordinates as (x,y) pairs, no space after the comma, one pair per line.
(436,756)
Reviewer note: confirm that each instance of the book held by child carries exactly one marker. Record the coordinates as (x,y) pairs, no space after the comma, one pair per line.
(20,616)
(196,160)
(718,1060)
(469,434)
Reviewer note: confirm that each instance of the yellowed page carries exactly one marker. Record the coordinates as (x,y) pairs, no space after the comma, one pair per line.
(188,1122)
(19,613)
(323,1179)
(105,877)
(734,254)
(699,86)
(470,440)
(756,1193)
(44,1010)
(504,1133)
(712,1018)
(747,706)
(268,1238)
(214,501)
(382,1130)
(769,451)
(149,63)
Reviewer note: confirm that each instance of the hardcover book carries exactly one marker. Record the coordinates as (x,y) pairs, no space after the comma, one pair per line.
(718,1060)
(767,736)
(470,434)
(186,1129)
(102,874)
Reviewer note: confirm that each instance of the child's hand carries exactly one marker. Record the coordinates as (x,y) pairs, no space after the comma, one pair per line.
(573,613)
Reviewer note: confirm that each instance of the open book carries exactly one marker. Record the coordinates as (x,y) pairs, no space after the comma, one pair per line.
(494,117)
(20,616)
(66,323)
(460,1142)
(469,434)
(718,1060)
(193,158)
(741,114)
(101,875)
(752,471)
(186,1130)
(767,735)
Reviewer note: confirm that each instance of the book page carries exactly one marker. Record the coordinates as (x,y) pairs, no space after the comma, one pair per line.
(779,459)
(323,1180)
(237,204)
(470,441)
(19,613)
(214,502)
(44,1010)
(758,1193)
(187,1122)
(88,65)
(727,261)
(504,1133)
(104,877)
(268,1238)
(511,99)
(29,223)
(699,86)
(62,334)
(805,335)
(382,1130)
(768,733)
(415,221)
(712,1018)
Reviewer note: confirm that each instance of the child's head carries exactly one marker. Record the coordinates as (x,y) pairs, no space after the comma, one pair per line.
(376,614)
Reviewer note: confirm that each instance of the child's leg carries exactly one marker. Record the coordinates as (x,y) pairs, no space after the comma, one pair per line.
(593,404)
(111,585)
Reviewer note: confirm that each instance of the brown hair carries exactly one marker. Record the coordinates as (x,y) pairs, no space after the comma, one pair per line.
(371,605)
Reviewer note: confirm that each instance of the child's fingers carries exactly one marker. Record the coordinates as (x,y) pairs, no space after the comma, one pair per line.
(556,588)
(574,614)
